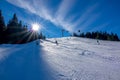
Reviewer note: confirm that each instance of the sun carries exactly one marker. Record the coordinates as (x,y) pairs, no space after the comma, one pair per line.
(35,26)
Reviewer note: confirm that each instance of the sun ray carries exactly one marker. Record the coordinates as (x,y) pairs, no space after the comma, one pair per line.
(35,26)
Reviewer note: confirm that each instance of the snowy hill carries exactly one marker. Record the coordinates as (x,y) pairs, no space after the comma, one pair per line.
(72,59)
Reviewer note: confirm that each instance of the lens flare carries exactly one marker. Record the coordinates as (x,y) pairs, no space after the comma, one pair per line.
(35,26)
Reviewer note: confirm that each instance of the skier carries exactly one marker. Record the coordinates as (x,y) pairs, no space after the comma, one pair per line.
(56,42)
(98,42)
(37,42)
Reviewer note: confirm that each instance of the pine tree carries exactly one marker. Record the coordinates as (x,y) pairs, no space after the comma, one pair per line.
(14,30)
(13,23)
(82,35)
(15,19)
(20,24)
(116,37)
(2,27)
(2,23)
(41,35)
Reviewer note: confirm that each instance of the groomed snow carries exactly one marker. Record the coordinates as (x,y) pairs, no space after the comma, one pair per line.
(72,59)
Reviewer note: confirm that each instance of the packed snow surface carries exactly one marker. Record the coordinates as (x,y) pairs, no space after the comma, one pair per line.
(71,59)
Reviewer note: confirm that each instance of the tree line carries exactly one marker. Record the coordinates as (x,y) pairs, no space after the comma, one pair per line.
(15,32)
(98,35)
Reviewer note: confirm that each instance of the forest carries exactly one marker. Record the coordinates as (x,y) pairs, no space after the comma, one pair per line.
(102,35)
(14,32)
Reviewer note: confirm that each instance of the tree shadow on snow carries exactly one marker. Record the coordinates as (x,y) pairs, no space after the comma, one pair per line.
(27,63)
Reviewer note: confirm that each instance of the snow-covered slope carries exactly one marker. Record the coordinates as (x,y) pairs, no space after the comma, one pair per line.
(72,59)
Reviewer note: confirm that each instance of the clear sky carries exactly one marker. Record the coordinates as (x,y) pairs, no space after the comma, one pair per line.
(71,15)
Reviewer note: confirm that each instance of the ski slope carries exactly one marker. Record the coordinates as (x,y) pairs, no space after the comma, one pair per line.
(72,59)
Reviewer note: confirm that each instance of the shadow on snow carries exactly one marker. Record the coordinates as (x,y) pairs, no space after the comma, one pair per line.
(27,63)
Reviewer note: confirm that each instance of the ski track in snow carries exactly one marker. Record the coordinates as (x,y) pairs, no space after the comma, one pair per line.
(72,59)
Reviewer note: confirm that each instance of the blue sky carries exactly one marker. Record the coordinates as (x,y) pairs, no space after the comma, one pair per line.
(71,15)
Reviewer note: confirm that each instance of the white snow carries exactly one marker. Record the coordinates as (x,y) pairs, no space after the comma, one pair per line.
(72,59)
